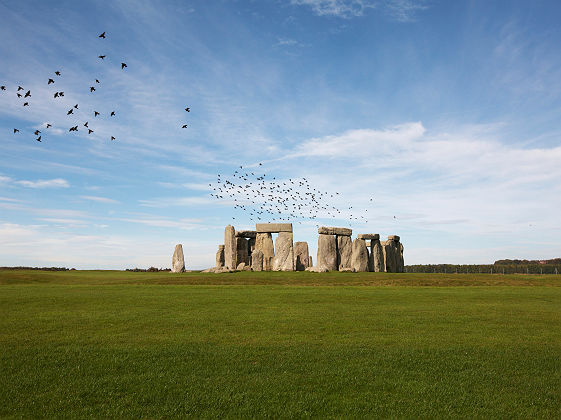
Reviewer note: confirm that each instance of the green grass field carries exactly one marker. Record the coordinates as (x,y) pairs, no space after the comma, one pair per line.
(160,345)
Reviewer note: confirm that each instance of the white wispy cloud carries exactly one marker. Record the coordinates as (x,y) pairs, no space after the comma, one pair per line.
(99,199)
(400,10)
(44,183)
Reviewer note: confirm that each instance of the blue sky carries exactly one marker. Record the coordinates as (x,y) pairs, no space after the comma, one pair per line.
(446,113)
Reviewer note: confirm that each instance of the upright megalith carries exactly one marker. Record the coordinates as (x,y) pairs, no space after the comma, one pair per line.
(242,251)
(284,252)
(359,256)
(344,252)
(178,260)
(264,243)
(392,254)
(327,253)
(301,256)
(401,260)
(220,256)
(257,260)
(230,248)
(377,255)
(310,261)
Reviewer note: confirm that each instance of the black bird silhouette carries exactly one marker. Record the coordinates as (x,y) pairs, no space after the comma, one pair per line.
(49,125)
(112,138)
(92,89)
(184,126)
(36,132)
(20,88)
(61,94)
(19,95)
(38,139)
(97,81)
(3,87)
(188,109)
(86,125)
(16,130)
(75,128)
(57,73)
(26,104)
(102,35)
(28,93)
(76,106)
(50,81)
(123,65)
(96,113)
(70,112)
(90,131)
(101,56)
(112,113)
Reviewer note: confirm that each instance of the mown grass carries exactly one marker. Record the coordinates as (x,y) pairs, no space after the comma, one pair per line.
(128,345)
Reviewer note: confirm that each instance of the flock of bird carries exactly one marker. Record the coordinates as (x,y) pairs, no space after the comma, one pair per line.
(24,94)
(263,198)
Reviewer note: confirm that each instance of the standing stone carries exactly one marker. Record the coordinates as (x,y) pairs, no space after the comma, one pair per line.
(230,248)
(384,255)
(310,262)
(242,251)
(359,256)
(327,253)
(377,256)
(220,256)
(401,260)
(257,260)
(392,252)
(264,243)
(344,252)
(251,248)
(178,261)
(301,256)
(284,252)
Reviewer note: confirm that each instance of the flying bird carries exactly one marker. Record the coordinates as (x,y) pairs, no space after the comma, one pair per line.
(28,93)
(70,112)
(20,88)
(36,132)
(57,73)
(3,87)
(101,56)
(76,106)
(86,125)
(123,65)
(16,130)
(19,95)
(184,126)
(112,138)
(38,139)
(97,81)
(75,128)
(49,125)
(112,113)
(50,81)
(188,109)
(26,104)
(96,113)
(90,131)
(102,35)
(92,89)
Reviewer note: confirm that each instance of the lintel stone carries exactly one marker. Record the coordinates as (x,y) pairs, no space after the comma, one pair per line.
(371,236)
(251,234)
(341,231)
(273,227)
(393,238)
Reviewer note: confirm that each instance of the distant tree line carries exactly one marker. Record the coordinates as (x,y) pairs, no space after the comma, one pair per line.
(497,268)
(38,268)
(149,270)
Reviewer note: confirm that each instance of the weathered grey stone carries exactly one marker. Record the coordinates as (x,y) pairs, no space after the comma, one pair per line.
(273,227)
(242,249)
(393,238)
(344,252)
(401,267)
(264,243)
(284,252)
(230,247)
(178,261)
(240,266)
(373,236)
(392,255)
(360,256)
(301,256)
(246,234)
(257,260)
(341,231)
(310,261)
(327,252)
(377,257)
(220,256)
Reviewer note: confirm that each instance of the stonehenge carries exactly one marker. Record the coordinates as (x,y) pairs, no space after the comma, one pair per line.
(254,250)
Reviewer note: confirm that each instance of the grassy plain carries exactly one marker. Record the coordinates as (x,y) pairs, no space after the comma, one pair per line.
(160,345)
